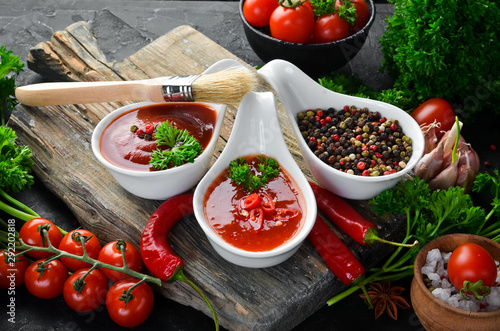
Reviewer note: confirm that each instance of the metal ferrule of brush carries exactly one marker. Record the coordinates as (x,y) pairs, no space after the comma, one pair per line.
(178,88)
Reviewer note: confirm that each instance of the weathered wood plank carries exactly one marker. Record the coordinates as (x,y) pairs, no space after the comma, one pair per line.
(276,298)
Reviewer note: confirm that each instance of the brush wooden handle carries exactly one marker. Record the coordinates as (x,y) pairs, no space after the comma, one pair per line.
(51,94)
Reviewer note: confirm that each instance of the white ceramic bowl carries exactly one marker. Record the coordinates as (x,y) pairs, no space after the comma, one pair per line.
(161,185)
(298,92)
(256,130)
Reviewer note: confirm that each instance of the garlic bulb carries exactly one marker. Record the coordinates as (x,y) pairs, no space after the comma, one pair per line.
(449,162)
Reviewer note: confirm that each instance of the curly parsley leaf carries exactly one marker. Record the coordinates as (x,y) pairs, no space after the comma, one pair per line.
(450,50)
(15,163)
(241,174)
(184,148)
(10,65)
(351,85)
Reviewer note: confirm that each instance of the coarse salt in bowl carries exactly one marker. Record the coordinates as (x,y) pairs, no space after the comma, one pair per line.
(298,93)
(433,313)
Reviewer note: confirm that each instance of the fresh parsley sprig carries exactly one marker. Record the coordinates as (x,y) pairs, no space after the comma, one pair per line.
(241,174)
(10,66)
(15,163)
(184,148)
(431,214)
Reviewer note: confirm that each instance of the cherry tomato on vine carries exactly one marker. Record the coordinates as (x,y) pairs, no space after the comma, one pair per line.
(292,24)
(12,270)
(330,28)
(111,254)
(258,12)
(30,233)
(435,109)
(134,311)
(88,296)
(471,262)
(71,243)
(362,14)
(47,281)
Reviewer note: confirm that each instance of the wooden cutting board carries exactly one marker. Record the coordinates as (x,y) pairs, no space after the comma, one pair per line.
(276,298)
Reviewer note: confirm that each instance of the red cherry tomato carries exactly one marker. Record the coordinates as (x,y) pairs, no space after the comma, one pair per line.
(258,12)
(435,109)
(292,24)
(46,282)
(471,262)
(136,310)
(362,14)
(12,270)
(30,235)
(111,254)
(71,243)
(88,297)
(330,28)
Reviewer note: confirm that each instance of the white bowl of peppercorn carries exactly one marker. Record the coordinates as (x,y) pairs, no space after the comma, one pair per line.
(355,147)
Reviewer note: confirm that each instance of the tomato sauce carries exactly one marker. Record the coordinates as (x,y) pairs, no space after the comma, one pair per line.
(222,209)
(125,149)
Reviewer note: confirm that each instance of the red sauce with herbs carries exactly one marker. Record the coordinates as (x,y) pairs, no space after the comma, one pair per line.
(222,205)
(125,149)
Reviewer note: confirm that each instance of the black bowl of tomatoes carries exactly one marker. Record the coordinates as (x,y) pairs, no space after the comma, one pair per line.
(316,44)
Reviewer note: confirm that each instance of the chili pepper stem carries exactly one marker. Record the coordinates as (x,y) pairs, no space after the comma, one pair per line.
(180,276)
(368,299)
(342,295)
(371,237)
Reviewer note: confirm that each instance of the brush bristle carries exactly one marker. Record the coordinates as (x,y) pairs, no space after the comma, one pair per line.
(227,86)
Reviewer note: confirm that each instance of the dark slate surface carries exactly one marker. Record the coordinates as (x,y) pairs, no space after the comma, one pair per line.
(123,27)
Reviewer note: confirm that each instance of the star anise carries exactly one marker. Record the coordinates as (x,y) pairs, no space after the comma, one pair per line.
(385,297)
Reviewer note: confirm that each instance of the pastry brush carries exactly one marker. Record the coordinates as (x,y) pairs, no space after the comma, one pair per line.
(226,86)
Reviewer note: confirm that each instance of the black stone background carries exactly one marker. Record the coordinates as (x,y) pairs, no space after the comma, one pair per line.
(23,23)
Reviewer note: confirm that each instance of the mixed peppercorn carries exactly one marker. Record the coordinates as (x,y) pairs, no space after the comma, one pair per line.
(356,141)
(148,133)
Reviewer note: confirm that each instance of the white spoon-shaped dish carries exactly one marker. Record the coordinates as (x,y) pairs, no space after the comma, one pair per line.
(298,92)
(164,184)
(256,130)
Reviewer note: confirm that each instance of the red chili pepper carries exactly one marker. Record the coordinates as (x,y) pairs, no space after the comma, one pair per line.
(337,256)
(252,201)
(344,216)
(257,219)
(347,219)
(267,204)
(156,252)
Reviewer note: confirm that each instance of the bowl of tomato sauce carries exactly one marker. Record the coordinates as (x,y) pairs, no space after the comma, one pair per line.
(124,142)
(317,45)
(254,204)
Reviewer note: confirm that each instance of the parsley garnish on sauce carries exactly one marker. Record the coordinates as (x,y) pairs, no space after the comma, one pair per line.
(240,173)
(184,148)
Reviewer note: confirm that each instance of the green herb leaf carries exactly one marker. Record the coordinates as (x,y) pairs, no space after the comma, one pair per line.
(240,173)
(10,65)
(15,163)
(351,85)
(184,148)
(450,50)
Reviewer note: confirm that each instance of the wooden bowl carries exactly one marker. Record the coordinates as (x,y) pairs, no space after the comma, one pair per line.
(437,315)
